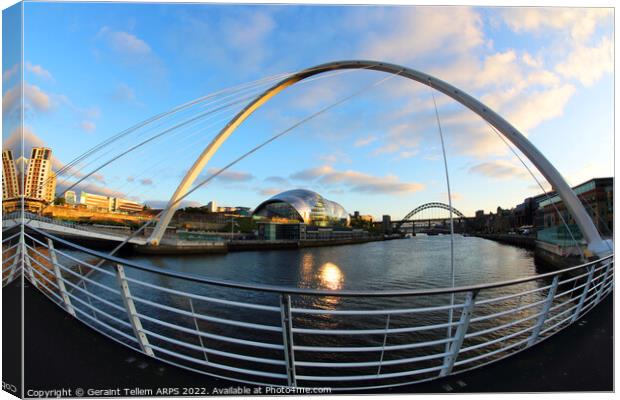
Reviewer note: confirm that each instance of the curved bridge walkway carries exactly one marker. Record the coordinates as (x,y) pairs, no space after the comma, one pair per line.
(578,359)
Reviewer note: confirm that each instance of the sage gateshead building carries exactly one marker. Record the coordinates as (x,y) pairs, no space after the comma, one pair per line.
(302,206)
(302,214)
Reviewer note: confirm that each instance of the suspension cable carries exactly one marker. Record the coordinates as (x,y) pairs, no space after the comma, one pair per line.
(445,164)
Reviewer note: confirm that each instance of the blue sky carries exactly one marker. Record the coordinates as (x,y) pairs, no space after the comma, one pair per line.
(93,70)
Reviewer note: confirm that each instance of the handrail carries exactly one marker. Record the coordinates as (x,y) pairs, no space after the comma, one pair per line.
(395,339)
(310,292)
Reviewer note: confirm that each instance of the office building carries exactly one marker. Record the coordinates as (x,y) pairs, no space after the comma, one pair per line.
(97,201)
(124,205)
(40,183)
(596,195)
(10,184)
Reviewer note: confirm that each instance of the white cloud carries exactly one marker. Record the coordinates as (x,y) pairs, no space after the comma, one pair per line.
(417,31)
(124,43)
(580,22)
(365,141)
(124,92)
(270,191)
(588,64)
(38,71)
(229,176)
(532,109)
(88,126)
(499,169)
(357,181)
(9,73)
(34,98)
(400,137)
(277,180)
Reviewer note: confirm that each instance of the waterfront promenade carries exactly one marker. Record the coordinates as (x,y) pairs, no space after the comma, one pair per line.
(62,352)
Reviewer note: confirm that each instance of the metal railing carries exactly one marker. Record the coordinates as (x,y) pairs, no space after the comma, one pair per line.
(285,336)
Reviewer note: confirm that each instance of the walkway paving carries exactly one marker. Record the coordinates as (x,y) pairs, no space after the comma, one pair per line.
(61,352)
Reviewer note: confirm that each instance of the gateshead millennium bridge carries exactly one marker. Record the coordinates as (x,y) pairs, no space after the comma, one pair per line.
(297,337)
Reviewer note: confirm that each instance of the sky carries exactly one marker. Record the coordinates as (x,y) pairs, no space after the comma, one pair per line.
(93,70)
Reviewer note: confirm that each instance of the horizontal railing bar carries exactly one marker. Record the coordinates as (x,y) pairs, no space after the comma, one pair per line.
(374,312)
(37,252)
(107,326)
(10,248)
(497,328)
(556,316)
(590,296)
(84,263)
(208,318)
(498,340)
(372,331)
(219,366)
(86,279)
(13,236)
(570,291)
(205,298)
(213,336)
(94,296)
(41,274)
(304,291)
(212,351)
(511,296)
(8,260)
(556,325)
(505,312)
(369,363)
(61,304)
(105,314)
(574,278)
(492,353)
(27,236)
(558,306)
(367,377)
(372,348)
(597,285)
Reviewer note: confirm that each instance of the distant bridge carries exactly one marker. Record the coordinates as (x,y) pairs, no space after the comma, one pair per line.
(428,223)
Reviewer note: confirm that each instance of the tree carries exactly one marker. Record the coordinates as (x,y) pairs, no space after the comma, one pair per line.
(59,201)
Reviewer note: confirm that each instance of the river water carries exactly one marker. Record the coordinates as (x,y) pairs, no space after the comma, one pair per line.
(421,262)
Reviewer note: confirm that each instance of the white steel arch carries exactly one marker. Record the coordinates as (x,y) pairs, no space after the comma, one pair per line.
(583,220)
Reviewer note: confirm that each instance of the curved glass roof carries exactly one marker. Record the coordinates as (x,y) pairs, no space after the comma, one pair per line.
(310,207)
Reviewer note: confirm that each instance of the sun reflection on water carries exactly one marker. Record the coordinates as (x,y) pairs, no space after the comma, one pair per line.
(330,276)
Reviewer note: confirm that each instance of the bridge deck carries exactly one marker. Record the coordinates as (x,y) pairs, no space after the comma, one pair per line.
(62,352)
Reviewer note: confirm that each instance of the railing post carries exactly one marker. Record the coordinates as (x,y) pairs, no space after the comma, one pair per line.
(287,338)
(583,296)
(387,327)
(545,310)
(459,335)
(134,320)
(59,280)
(603,282)
(202,345)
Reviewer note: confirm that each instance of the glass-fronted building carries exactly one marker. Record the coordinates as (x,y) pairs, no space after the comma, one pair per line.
(304,206)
